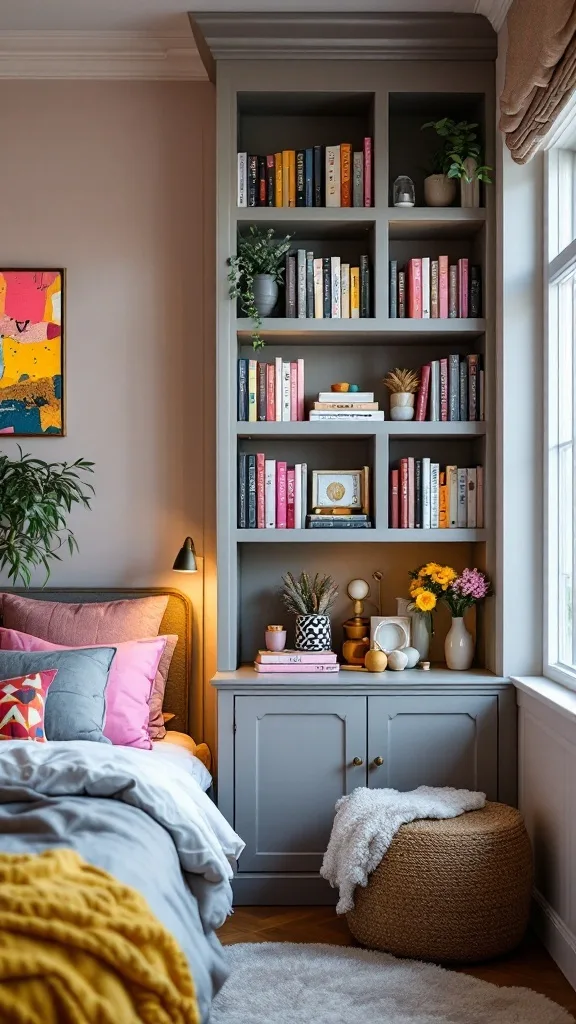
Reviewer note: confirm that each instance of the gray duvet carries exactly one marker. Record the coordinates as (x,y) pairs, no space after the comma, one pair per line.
(138,816)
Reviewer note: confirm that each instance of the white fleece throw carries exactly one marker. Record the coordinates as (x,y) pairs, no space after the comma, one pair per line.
(366,823)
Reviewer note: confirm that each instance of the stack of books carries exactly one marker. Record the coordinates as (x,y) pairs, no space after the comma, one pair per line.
(325,288)
(296,661)
(318,176)
(347,405)
(270,391)
(427,288)
(271,494)
(424,497)
(331,519)
(451,389)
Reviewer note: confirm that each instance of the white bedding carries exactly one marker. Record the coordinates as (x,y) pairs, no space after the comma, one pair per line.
(184,760)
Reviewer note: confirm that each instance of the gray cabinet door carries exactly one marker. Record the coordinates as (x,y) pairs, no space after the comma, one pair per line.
(293,760)
(435,740)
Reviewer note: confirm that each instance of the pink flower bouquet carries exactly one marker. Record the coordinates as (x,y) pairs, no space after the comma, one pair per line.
(471,587)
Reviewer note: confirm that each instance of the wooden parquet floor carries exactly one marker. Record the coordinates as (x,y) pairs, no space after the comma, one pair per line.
(529,965)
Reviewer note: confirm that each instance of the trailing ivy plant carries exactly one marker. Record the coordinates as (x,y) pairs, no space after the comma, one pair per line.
(258,253)
(35,500)
(460,143)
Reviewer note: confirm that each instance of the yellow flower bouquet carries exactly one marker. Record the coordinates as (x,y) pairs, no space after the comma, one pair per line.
(429,584)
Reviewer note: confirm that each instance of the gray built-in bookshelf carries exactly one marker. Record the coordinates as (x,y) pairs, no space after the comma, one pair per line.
(284,102)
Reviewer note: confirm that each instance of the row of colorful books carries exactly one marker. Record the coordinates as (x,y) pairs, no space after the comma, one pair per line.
(296,661)
(349,405)
(425,497)
(324,287)
(317,176)
(451,389)
(426,288)
(269,392)
(271,494)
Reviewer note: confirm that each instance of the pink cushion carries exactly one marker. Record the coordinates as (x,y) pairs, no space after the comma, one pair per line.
(129,684)
(96,624)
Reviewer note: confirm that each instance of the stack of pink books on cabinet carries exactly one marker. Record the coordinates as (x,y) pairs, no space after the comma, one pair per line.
(296,661)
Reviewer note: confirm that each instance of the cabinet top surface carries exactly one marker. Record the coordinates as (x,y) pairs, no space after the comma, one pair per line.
(246,679)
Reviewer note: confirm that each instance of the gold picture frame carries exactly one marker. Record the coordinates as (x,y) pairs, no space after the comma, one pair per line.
(339,488)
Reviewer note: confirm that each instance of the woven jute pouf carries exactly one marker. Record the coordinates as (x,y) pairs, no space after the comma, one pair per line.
(451,890)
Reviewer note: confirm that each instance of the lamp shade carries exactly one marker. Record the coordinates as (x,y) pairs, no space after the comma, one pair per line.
(186,557)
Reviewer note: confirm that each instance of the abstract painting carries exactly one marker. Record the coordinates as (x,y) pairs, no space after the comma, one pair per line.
(31,352)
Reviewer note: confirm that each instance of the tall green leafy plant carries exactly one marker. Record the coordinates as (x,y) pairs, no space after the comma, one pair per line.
(35,500)
(460,142)
(258,253)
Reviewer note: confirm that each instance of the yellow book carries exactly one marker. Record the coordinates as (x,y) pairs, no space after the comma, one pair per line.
(285,177)
(354,293)
(443,503)
(277,179)
(292,178)
(345,174)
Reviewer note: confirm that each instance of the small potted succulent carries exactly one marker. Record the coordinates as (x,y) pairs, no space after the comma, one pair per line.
(310,600)
(255,273)
(402,385)
(458,160)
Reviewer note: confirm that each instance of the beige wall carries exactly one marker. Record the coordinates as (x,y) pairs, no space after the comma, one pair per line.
(115,181)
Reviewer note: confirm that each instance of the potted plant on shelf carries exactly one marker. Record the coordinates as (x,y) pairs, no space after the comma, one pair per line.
(310,600)
(464,591)
(402,385)
(35,498)
(458,160)
(255,273)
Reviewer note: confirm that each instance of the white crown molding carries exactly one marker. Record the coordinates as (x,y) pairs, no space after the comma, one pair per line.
(494,10)
(100,55)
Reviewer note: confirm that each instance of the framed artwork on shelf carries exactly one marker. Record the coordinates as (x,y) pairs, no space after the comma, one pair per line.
(340,489)
(32,352)
(390,632)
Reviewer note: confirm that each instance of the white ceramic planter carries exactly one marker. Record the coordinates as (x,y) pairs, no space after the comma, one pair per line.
(458,646)
(401,406)
(439,190)
(470,190)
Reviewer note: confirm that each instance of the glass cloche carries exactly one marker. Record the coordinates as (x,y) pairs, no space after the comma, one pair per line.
(403,192)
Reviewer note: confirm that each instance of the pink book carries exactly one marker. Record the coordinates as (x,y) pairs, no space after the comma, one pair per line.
(260,491)
(281,470)
(270,393)
(411,493)
(294,391)
(443,287)
(422,402)
(367,172)
(415,288)
(463,288)
(288,657)
(308,667)
(444,390)
(290,497)
(300,415)
(394,500)
(403,494)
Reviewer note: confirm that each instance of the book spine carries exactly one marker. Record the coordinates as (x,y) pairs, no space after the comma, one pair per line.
(270,493)
(261,181)
(425,287)
(422,400)
(351,397)
(345,406)
(345,174)
(418,494)
(401,294)
(300,390)
(453,291)
(318,176)
(393,289)
(301,283)
(411,494)
(285,177)
(298,496)
(435,391)
(346,415)
(365,299)
(444,390)
(242,490)
(278,389)
(260,490)
(471,498)
(339,523)
(426,496)
(291,287)
(434,495)
(270,180)
(291,177)
(296,658)
(345,291)
(335,300)
(443,287)
(434,293)
(454,387)
(481,393)
(281,489)
(367,150)
(309,177)
(472,387)
(358,182)
(475,307)
(252,181)
(463,390)
(242,390)
(479,497)
(251,492)
(462,513)
(252,390)
(310,284)
(332,175)
(354,292)
(452,495)
(293,391)
(394,500)
(404,494)
(301,178)
(318,290)
(242,179)
(442,502)
(285,392)
(278,187)
(304,492)
(463,288)
(315,667)
(415,288)
(262,396)
(326,287)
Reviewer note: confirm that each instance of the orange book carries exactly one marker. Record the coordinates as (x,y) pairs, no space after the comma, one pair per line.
(285,177)
(345,174)
(277,179)
(443,504)
(292,177)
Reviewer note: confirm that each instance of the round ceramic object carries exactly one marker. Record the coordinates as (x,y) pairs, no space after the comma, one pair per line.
(375,661)
(401,405)
(413,656)
(354,387)
(402,413)
(390,636)
(397,661)
(340,388)
(439,190)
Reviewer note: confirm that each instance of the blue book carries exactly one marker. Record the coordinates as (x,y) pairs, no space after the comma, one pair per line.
(309,172)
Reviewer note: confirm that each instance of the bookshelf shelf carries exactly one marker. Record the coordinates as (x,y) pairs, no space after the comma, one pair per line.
(388,428)
(438,223)
(372,330)
(299,216)
(375,536)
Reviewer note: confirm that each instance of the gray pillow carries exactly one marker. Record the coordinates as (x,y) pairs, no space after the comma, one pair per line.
(75,706)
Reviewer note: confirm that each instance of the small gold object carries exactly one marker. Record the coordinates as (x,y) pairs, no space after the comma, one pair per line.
(357,761)
(378,761)
(335,491)
(274,629)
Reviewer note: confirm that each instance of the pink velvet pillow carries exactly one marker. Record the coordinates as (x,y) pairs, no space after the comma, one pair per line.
(129,684)
(98,623)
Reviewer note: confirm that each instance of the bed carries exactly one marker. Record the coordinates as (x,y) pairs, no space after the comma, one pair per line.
(142,815)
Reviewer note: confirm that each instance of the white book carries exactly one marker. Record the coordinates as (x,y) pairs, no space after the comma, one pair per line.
(425,287)
(426,497)
(252,388)
(335,287)
(346,396)
(242,179)
(301,283)
(452,495)
(345,291)
(318,290)
(278,387)
(479,497)
(298,496)
(332,175)
(304,492)
(285,392)
(270,494)
(471,498)
(347,414)
(462,513)
(434,400)
(434,495)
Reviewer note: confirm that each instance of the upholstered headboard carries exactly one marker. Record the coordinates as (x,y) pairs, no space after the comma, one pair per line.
(177,620)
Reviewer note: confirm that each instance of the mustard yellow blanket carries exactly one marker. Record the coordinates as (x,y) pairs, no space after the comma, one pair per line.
(77,947)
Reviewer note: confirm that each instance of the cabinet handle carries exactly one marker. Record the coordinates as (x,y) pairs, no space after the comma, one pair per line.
(378,761)
(358,761)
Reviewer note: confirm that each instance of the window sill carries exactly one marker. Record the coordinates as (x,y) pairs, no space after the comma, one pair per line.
(552,695)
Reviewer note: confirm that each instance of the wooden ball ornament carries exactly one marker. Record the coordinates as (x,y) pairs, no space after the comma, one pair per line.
(376,659)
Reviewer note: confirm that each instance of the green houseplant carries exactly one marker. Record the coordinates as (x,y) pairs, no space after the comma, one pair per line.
(255,273)
(35,500)
(310,600)
(459,159)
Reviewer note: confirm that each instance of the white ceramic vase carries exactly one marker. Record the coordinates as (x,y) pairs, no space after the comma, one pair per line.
(419,632)
(401,405)
(439,190)
(458,646)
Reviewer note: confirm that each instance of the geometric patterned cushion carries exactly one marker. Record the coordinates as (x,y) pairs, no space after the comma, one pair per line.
(22,702)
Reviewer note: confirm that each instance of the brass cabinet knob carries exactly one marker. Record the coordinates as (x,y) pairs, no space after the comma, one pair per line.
(358,761)
(378,761)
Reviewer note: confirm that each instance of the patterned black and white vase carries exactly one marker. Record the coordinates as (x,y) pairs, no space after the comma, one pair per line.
(313,633)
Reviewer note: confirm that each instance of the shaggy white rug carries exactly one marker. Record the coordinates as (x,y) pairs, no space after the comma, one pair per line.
(300,983)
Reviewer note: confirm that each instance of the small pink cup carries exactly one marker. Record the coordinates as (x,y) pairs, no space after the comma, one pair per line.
(275,638)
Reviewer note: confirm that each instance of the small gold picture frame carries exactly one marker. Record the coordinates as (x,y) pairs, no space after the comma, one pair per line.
(342,488)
